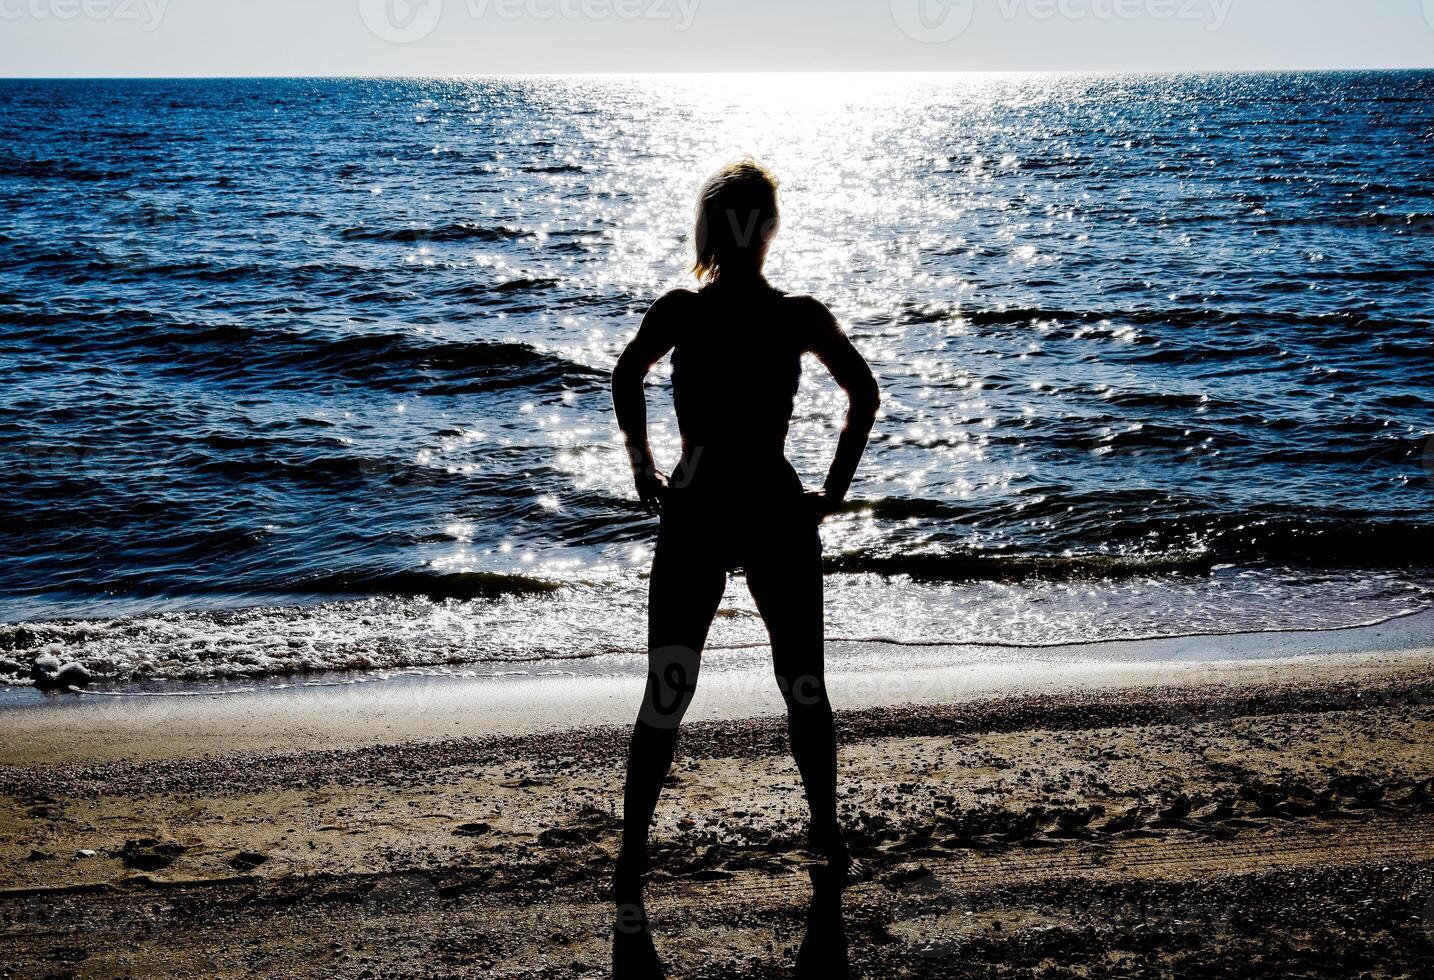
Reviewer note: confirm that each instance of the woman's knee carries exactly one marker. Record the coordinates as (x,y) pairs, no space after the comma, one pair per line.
(671,683)
(802,689)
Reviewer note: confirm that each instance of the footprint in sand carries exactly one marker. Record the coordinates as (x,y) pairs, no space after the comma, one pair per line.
(149,853)
(247,860)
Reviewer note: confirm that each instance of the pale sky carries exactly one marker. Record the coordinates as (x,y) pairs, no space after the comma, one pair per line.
(463,37)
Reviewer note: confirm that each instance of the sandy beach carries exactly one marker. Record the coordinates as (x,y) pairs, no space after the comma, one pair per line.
(1252,816)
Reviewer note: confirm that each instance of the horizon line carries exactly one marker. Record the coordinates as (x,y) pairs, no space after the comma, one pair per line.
(727,72)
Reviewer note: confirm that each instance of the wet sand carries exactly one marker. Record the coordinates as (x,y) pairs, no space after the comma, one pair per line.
(1267,817)
(332,711)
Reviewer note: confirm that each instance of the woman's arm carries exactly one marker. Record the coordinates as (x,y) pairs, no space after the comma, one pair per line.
(833,348)
(654,339)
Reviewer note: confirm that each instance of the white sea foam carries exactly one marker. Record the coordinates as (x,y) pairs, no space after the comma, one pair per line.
(383,636)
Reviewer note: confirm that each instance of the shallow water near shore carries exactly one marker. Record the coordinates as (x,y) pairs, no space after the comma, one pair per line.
(337,710)
(605,623)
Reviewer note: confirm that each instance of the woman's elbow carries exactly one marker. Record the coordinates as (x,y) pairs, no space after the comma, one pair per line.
(625,374)
(866,399)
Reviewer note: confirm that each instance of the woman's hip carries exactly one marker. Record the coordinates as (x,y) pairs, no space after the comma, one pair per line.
(738,530)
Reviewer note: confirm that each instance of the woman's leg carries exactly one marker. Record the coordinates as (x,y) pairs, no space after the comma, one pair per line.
(786,583)
(683,594)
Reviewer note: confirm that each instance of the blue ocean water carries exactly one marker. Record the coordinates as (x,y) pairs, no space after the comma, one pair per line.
(301,374)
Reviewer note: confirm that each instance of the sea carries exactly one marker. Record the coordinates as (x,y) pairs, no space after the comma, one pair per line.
(311,375)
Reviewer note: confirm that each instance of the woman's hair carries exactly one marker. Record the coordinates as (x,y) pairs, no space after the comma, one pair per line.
(736,217)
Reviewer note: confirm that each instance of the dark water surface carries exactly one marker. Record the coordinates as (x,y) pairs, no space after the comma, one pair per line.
(311,373)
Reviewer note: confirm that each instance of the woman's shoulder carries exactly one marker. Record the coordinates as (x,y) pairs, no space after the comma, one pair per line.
(805,305)
(669,309)
(676,299)
(810,317)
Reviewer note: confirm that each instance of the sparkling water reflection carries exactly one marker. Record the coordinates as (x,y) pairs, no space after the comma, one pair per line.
(290,340)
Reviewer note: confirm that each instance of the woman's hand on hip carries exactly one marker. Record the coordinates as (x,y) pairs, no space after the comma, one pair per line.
(651,489)
(820,505)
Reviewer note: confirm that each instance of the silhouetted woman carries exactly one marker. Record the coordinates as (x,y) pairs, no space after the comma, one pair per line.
(734,501)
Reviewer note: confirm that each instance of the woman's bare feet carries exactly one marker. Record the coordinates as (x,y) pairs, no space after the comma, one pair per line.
(841,869)
(634,956)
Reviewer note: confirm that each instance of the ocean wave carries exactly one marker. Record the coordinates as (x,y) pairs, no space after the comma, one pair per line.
(259,357)
(973,566)
(37,168)
(553,168)
(455,232)
(1115,535)
(422,583)
(1356,323)
(534,632)
(1399,222)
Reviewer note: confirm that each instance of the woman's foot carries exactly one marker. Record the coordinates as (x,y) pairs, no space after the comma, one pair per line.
(840,869)
(634,956)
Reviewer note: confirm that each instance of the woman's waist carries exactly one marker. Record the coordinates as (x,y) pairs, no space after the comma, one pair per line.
(724,503)
(749,466)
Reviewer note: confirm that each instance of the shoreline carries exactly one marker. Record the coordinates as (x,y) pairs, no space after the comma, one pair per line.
(361,711)
(1196,701)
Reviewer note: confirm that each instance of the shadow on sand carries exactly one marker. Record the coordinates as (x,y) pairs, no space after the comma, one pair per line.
(822,956)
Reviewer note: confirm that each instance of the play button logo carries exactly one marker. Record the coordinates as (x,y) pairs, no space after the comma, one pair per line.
(934,21)
(400,21)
